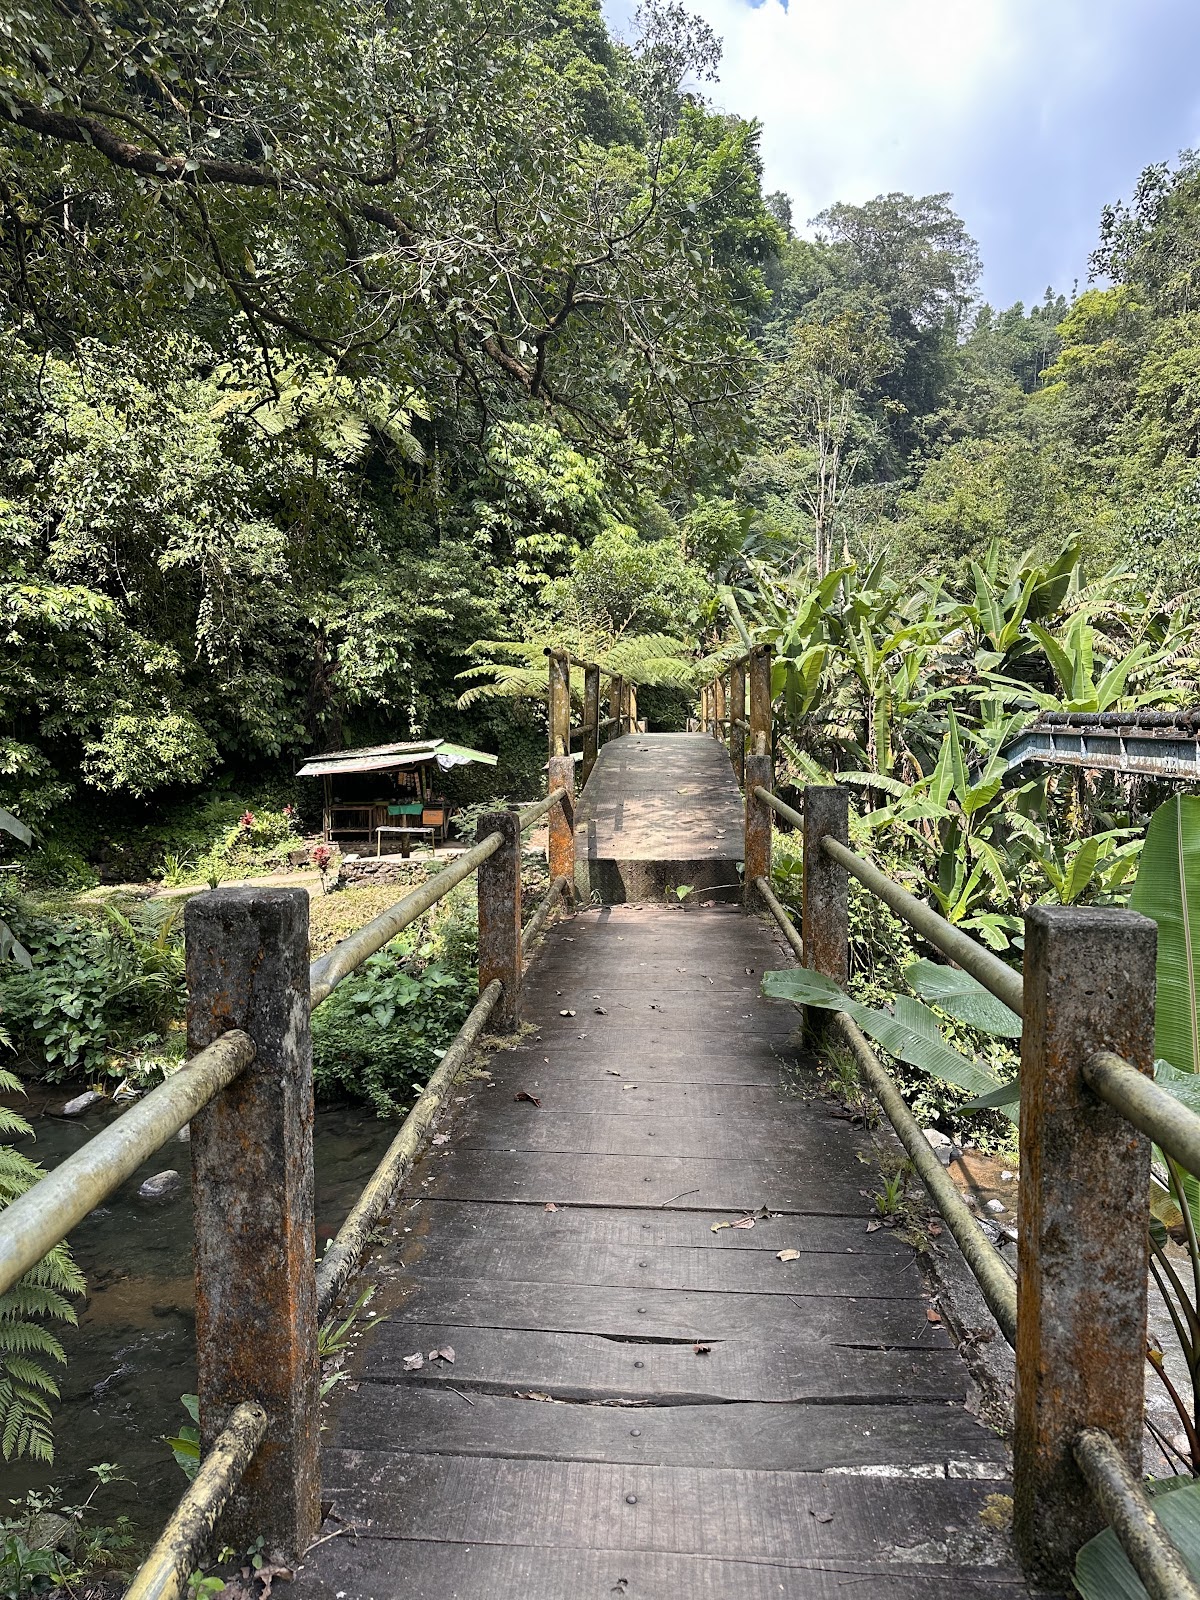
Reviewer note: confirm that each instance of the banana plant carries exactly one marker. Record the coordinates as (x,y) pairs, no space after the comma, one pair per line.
(1073,657)
(912,1030)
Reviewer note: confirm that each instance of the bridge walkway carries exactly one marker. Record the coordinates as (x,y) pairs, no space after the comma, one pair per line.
(639,1405)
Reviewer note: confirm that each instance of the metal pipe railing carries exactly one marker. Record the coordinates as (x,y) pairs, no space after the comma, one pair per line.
(329,970)
(164,1574)
(1130,1513)
(988,1267)
(542,915)
(994,974)
(778,806)
(787,926)
(541,808)
(352,1238)
(43,1216)
(1172,1125)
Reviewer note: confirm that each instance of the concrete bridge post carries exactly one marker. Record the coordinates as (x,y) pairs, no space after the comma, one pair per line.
(737,720)
(826,916)
(591,721)
(1082,1249)
(252,1189)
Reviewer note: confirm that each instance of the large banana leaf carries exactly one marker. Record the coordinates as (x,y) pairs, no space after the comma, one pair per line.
(1168,890)
(910,1035)
(960,995)
(1102,1569)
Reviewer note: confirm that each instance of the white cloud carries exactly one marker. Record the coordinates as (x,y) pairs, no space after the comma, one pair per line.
(1031,114)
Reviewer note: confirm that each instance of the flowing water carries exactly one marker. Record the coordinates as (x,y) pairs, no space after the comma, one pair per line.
(133,1353)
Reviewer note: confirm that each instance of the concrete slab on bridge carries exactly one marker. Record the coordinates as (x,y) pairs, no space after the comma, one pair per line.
(637,1405)
(660,811)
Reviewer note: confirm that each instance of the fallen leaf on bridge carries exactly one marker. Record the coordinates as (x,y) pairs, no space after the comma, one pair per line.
(525,1095)
(440,1138)
(788,1255)
(628,1086)
(446,1353)
(415,1362)
(932,1315)
(702,1349)
(550,1206)
(566,1013)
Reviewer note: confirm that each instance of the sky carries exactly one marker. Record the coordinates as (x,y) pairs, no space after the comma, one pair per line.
(1032,113)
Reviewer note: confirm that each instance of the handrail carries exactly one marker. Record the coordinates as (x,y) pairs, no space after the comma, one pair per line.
(329,970)
(1130,1513)
(992,1273)
(1147,1105)
(352,1238)
(535,813)
(43,1216)
(542,915)
(164,1574)
(988,1267)
(994,974)
(787,926)
(778,806)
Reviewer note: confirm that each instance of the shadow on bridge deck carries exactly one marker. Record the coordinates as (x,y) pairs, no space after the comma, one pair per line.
(660,810)
(637,1405)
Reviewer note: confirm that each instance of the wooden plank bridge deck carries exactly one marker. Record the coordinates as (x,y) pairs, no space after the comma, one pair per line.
(640,1406)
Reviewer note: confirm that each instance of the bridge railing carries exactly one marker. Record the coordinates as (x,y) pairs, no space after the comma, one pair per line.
(247,1092)
(592,730)
(1075,1308)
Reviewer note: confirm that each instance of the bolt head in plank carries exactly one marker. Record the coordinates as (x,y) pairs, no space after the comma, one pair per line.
(826,915)
(1082,1257)
(252,1188)
(758,830)
(560,774)
(500,918)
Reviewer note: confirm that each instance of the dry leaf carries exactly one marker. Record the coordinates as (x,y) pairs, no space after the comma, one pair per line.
(550,1206)
(566,1013)
(524,1095)
(788,1255)
(702,1349)
(717,1226)
(874,1227)
(601,1011)
(744,1222)
(614,1073)
(932,1315)
(629,1086)
(415,1362)
(440,1138)
(821,1516)
(266,1575)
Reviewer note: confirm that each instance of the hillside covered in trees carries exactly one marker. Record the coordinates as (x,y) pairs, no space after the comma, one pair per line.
(339,339)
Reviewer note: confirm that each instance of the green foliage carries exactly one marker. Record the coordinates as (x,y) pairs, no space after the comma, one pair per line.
(185,1445)
(47,1545)
(1102,1569)
(92,991)
(27,1386)
(383,1031)
(1168,891)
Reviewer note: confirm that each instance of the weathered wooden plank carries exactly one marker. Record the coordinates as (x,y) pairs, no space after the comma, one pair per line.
(729,1513)
(696,1184)
(590,1090)
(531,1228)
(661,797)
(547,1255)
(367,1568)
(520,1126)
(733,1066)
(573,1366)
(650,1314)
(935,1440)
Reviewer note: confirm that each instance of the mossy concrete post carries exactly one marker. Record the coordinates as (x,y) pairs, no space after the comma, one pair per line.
(631,691)
(826,909)
(719,708)
(500,918)
(560,774)
(591,721)
(560,703)
(1082,1240)
(758,831)
(737,720)
(252,1188)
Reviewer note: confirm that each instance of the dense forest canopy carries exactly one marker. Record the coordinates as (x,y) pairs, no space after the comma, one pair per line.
(338,338)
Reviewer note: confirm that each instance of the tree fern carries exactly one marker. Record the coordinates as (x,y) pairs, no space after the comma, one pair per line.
(27,1386)
(516,668)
